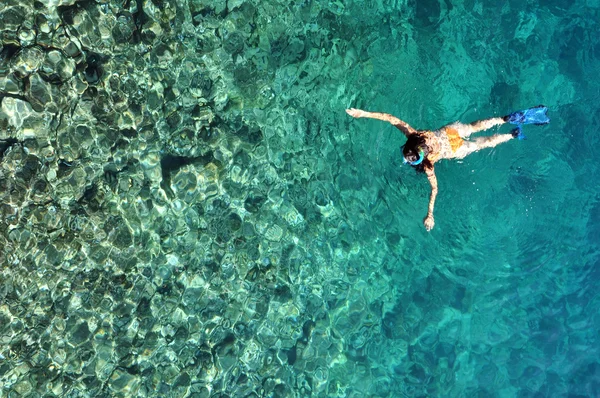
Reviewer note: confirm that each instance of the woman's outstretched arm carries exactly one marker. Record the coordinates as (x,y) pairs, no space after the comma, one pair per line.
(429,222)
(386,117)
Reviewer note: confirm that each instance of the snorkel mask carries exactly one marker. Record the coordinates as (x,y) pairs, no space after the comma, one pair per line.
(418,161)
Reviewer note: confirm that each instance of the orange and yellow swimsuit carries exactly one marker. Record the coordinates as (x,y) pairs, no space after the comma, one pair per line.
(448,142)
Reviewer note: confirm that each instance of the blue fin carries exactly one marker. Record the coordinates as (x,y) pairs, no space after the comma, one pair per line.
(517,132)
(536,115)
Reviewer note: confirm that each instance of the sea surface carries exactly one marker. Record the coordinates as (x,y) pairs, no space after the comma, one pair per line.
(186,210)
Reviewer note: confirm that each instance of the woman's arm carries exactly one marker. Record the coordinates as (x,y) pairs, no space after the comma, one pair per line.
(429,222)
(399,124)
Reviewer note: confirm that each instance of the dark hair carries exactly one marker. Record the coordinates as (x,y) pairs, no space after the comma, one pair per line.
(410,151)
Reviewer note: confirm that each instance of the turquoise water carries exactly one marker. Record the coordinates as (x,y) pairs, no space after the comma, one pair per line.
(187,210)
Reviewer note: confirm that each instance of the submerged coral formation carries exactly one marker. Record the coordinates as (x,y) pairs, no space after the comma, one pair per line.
(166,227)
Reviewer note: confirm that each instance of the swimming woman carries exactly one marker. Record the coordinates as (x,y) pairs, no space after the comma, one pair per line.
(425,147)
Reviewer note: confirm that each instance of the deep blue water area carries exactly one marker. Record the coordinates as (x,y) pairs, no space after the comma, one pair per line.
(188,211)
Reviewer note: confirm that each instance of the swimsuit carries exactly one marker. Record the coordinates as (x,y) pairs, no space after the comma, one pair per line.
(454,139)
(448,140)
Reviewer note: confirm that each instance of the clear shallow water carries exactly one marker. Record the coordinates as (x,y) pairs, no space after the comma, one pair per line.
(245,236)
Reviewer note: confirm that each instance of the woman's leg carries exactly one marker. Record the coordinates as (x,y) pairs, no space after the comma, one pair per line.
(482,142)
(465,130)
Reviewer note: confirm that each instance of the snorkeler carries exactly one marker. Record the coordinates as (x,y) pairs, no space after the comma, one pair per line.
(425,147)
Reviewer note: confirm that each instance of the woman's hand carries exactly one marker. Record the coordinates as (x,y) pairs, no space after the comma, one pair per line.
(355,112)
(428,222)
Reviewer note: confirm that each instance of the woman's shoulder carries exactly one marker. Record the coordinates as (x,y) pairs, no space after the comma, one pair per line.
(430,135)
(433,143)
(426,133)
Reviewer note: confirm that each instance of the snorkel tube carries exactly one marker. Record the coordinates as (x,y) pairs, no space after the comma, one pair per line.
(418,161)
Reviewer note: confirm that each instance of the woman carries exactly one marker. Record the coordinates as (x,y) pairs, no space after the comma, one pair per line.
(424,147)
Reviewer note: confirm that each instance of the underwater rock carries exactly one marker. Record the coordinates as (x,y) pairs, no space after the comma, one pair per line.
(25,122)
(94,69)
(40,93)
(74,142)
(27,61)
(12,15)
(200,85)
(27,34)
(123,30)
(123,382)
(79,334)
(72,185)
(162,56)
(121,237)
(57,68)
(11,84)
(85,26)
(234,43)
(14,111)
